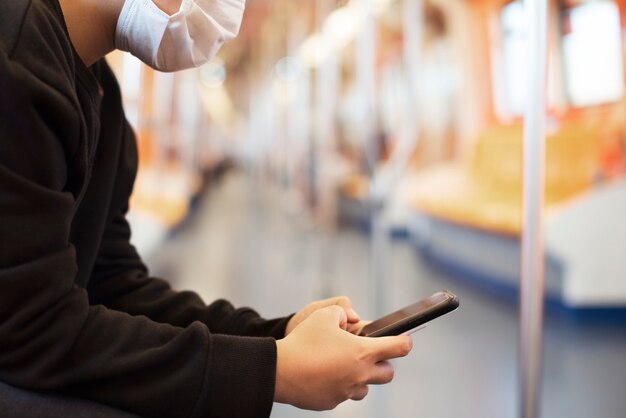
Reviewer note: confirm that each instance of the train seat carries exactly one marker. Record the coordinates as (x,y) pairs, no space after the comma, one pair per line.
(485,191)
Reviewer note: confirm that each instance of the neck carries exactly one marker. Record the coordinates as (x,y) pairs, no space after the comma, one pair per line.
(91,26)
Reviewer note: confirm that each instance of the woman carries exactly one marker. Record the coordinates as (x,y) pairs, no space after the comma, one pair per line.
(79,313)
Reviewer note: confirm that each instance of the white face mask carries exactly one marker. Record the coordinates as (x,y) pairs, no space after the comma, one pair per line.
(188,38)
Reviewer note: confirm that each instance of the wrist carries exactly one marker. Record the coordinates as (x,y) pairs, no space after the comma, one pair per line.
(282,385)
(279,388)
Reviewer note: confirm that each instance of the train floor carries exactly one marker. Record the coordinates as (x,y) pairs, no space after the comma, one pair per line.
(245,244)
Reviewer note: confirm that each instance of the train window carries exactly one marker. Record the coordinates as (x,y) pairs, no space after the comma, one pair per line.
(591,50)
(511,86)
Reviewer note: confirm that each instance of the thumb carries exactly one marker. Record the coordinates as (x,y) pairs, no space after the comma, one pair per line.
(386,348)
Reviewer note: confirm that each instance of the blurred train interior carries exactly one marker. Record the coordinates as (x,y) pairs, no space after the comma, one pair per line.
(373,148)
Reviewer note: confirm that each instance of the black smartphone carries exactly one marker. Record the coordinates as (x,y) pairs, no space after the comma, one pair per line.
(407,320)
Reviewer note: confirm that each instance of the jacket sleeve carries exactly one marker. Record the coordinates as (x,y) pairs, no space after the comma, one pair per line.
(120,281)
(51,337)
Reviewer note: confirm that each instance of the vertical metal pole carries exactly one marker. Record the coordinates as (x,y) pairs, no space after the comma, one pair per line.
(532,271)
(366,50)
(379,250)
(366,65)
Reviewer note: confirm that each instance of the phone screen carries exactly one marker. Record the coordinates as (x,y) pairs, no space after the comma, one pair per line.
(412,316)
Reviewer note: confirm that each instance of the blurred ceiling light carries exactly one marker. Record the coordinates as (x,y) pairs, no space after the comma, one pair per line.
(376,6)
(314,50)
(342,25)
(213,74)
(339,29)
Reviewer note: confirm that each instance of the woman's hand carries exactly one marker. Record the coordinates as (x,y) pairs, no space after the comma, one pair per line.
(342,301)
(320,364)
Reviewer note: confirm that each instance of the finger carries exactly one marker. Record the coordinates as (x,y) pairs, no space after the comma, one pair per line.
(385,348)
(345,303)
(382,373)
(357,327)
(359,393)
(336,314)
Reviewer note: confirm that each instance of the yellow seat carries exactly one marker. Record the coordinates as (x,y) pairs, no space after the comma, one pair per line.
(486,191)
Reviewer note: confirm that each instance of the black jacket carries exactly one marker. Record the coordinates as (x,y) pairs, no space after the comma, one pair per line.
(78,312)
